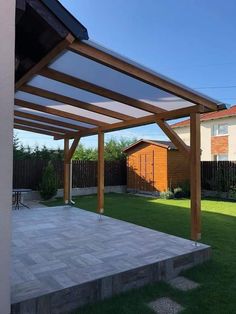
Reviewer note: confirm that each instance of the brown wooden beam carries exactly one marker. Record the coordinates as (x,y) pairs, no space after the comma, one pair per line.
(57,112)
(72,149)
(195,176)
(100,191)
(35,117)
(35,130)
(138,73)
(173,136)
(98,90)
(116,126)
(74,102)
(168,115)
(49,128)
(52,54)
(66,172)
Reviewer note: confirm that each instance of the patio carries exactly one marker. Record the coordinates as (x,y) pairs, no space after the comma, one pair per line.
(64,258)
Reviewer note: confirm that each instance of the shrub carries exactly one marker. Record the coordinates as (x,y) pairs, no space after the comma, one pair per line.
(48,186)
(167,194)
(185,186)
(178,192)
(232,192)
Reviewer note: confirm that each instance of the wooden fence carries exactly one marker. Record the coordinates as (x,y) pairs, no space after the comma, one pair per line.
(218,175)
(28,173)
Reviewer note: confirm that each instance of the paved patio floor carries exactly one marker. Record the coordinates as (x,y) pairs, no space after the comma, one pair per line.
(65,257)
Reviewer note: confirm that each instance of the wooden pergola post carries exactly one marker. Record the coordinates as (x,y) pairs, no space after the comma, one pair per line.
(195,173)
(68,154)
(66,172)
(100,205)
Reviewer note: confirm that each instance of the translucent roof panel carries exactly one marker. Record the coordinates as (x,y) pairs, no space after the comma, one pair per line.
(24,120)
(56,118)
(79,94)
(63,107)
(88,70)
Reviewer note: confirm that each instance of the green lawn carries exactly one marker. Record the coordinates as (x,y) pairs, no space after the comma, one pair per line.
(217,277)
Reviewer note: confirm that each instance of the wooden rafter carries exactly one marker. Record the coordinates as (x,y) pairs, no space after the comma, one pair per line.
(173,136)
(57,112)
(98,90)
(34,130)
(147,77)
(74,102)
(40,126)
(34,117)
(44,61)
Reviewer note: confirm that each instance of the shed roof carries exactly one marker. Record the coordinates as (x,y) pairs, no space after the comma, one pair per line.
(165,144)
(80,88)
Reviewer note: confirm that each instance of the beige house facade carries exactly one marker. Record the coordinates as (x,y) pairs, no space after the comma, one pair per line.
(218,135)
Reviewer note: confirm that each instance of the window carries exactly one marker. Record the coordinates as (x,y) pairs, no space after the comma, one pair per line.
(220,157)
(219,129)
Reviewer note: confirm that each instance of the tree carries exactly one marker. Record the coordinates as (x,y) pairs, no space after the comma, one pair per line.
(113,150)
(48,186)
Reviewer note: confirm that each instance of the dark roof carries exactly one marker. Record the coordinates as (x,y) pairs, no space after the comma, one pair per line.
(165,144)
(209,116)
(71,23)
(40,26)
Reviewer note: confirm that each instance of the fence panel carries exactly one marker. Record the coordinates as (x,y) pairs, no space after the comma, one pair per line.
(218,175)
(28,173)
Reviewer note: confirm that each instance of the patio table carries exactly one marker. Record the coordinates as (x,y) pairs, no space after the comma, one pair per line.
(18,193)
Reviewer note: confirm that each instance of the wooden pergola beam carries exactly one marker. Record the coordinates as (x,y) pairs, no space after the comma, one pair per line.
(195,176)
(72,149)
(73,102)
(35,130)
(98,90)
(172,135)
(49,128)
(168,115)
(39,118)
(141,74)
(57,112)
(44,61)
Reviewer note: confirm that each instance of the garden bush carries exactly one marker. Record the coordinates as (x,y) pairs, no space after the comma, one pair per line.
(48,186)
(167,195)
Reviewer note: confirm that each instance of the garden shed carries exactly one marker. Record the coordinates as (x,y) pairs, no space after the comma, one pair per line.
(155,166)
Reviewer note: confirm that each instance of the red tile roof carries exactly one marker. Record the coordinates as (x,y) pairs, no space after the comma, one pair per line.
(209,116)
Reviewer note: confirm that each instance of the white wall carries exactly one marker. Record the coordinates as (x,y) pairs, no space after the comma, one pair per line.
(7,39)
(206,127)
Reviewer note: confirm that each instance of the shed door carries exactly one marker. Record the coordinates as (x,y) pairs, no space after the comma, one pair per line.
(147,172)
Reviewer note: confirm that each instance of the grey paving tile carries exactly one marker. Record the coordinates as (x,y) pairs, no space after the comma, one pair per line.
(183,284)
(62,247)
(165,306)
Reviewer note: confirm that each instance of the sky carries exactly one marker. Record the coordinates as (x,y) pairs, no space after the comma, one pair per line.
(190,41)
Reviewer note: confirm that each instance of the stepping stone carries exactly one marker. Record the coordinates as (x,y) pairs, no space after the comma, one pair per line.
(165,306)
(183,284)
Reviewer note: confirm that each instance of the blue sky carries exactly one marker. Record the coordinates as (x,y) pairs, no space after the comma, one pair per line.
(190,41)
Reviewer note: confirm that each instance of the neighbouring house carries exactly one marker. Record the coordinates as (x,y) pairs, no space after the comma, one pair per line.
(218,134)
(155,166)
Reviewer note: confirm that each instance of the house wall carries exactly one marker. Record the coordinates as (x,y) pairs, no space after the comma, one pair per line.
(207,143)
(147,168)
(178,168)
(7,60)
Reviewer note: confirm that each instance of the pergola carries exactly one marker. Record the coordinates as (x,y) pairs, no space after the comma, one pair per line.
(80,88)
